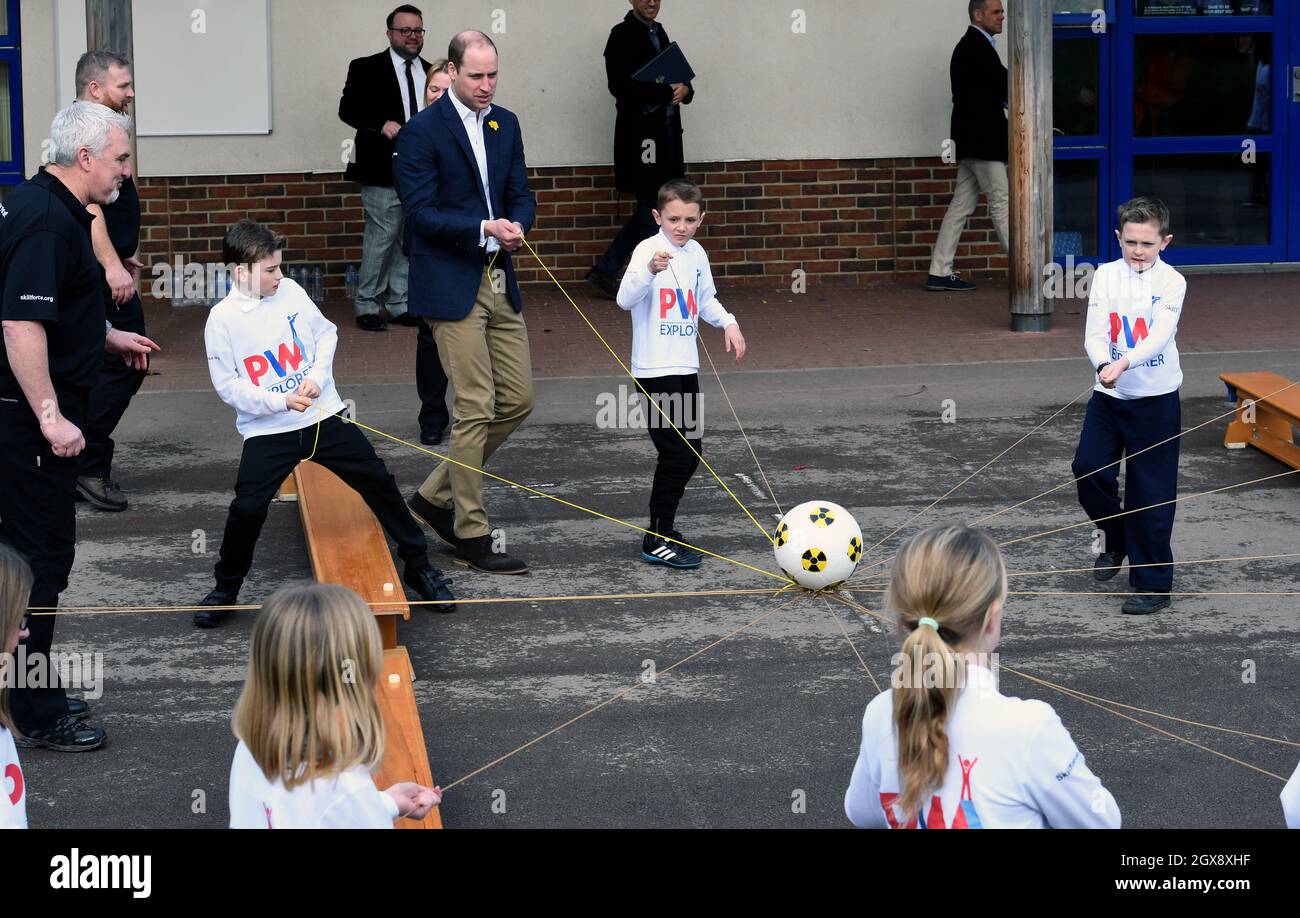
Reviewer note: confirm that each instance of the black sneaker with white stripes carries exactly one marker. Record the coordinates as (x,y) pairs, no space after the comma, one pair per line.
(658,550)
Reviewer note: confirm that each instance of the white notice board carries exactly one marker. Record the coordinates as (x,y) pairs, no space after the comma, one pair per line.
(203,68)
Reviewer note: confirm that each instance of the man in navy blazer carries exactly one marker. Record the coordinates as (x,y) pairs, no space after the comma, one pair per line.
(980,137)
(463,182)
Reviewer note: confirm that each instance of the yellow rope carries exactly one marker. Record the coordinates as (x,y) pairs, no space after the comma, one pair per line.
(146,610)
(1182,739)
(560,500)
(741,427)
(978,471)
(622,694)
(767,535)
(839,624)
(1128,457)
(1166,503)
(1081,696)
(1085,570)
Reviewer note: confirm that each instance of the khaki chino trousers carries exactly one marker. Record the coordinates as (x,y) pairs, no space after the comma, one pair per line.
(486,358)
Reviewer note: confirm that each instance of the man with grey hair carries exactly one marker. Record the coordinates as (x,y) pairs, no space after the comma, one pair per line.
(104,77)
(54,336)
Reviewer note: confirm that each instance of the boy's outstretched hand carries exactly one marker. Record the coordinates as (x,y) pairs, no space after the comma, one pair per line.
(735,339)
(660,262)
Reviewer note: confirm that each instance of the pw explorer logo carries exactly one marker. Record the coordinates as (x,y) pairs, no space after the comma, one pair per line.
(1132,333)
(258,365)
(103,871)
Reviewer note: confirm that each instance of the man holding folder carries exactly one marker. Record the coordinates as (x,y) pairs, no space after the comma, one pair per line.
(647,132)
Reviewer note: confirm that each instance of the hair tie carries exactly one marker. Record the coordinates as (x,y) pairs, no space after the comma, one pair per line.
(928,621)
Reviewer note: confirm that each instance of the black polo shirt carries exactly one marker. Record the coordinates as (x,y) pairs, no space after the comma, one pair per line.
(48,274)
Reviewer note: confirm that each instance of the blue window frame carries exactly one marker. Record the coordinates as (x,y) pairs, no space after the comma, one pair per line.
(1083,105)
(1196,109)
(11,94)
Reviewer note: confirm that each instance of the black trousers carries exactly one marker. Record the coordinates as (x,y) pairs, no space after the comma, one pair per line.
(118,384)
(430,384)
(679,398)
(268,460)
(638,228)
(1115,427)
(38,518)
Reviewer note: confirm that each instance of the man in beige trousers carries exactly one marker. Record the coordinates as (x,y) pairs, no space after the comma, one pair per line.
(980,135)
(463,183)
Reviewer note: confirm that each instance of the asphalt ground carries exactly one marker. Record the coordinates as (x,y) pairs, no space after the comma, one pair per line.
(764,721)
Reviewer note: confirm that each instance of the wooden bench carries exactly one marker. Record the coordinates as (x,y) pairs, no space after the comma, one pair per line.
(1267,414)
(405,755)
(347,546)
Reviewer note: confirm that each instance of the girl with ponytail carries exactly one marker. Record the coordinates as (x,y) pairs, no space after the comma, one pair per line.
(944,748)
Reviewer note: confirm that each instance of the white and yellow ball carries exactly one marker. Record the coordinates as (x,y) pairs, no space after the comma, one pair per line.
(818,544)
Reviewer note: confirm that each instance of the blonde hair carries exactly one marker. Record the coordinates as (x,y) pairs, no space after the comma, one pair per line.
(15,593)
(955,576)
(308,708)
(441,65)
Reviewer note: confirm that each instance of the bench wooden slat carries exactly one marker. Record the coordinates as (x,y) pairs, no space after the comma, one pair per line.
(1260,385)
(1266,425)
(405,758)
(347,544)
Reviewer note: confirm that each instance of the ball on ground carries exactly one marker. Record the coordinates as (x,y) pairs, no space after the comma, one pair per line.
(818,544)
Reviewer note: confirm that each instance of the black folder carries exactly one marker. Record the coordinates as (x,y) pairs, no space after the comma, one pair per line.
(668,66)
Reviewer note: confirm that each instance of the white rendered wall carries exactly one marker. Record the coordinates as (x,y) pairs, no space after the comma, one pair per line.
(868,78)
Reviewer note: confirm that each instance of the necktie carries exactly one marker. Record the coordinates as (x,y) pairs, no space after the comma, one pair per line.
(410,90)
(654,38)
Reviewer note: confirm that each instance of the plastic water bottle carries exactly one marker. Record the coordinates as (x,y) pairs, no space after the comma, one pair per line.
(317,285)
(353,280)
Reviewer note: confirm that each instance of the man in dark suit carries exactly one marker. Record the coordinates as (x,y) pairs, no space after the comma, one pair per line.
(980,135)
(464,186)
(647,134)
(382,93)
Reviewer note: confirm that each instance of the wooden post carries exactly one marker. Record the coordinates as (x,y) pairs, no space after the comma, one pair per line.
(108,28)
(1030,166)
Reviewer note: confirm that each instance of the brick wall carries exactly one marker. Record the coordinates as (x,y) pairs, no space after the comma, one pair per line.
(843,222)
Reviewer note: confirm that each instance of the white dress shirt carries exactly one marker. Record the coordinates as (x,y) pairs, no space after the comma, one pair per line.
(417,75)
(473,123)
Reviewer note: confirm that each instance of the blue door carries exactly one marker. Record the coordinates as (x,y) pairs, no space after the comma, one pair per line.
(1083,114)
(1199,115)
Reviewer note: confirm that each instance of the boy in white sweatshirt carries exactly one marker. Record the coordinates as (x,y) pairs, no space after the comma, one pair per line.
(270,356)
(668,288)
(1133,313)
